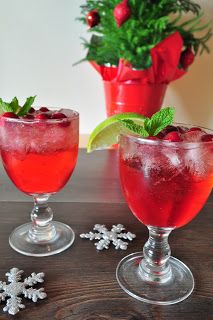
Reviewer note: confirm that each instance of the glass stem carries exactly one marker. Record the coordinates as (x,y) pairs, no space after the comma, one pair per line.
(42,229)
(155,267)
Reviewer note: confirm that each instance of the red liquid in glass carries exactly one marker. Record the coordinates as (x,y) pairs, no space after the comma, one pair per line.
(45,172)
(160,197)
(39,156)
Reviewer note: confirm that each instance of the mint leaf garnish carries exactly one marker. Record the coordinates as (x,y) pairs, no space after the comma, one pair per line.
(134,127)
(26,107)
(14,104)
(152,126)
(5,106)
(159,121)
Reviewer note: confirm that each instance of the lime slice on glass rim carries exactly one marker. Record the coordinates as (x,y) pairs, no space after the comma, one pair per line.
(107,132)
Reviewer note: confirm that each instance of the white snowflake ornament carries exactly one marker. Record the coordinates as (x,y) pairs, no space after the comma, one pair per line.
(16,288)
(106,237)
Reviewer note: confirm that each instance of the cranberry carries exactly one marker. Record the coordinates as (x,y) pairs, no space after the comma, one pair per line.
(173,136)
(182,129)
(93,18)
(187,58)
(58,115)
(32,110)
(170,128)
(28,116)
(10,115)
(134,162)
(44,109)
(165,131)
(194,129)
(42,116)
(193,136)
(207,138)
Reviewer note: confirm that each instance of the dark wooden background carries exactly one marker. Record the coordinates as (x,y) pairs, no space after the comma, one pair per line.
(80,282)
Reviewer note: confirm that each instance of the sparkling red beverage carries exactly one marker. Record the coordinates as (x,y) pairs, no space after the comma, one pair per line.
(165,184)
(166,180)
(39,152)
(26,172)
(39,156)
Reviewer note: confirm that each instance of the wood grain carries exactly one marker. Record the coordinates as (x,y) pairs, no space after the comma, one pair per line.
(80,282)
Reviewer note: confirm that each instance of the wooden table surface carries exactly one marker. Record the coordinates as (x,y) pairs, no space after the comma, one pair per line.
(80,282)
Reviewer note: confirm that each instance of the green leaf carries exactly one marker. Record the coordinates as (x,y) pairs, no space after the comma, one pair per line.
(15,105)
(159,121)
(5,106)
(135,128)
(150,23)
(152,126)
(26,107)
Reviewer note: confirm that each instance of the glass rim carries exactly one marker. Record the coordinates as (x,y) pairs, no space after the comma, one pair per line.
(74,115)
(165,143)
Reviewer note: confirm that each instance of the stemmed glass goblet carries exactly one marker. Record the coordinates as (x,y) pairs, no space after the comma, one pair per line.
(39,153)
(165,185)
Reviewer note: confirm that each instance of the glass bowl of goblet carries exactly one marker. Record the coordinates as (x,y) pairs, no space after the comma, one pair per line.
(165,185)
(39,153)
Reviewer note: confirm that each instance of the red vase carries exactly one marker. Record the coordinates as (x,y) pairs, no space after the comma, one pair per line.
(142,91)
(142,98)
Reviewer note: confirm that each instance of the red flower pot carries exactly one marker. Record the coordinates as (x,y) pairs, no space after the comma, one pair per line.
(142,98)
(142,91)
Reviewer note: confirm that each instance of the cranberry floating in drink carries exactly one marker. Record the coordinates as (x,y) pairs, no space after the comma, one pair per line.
(39,152)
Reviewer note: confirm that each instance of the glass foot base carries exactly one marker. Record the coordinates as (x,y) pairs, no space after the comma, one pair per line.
(176,289)
(21,242)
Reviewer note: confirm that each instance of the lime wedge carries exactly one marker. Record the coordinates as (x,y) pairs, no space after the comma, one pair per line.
(108,131)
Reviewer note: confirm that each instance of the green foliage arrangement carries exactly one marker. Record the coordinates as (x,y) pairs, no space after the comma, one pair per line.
(149,23)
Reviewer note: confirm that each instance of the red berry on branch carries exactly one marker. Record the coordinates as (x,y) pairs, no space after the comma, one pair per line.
(187,58)
(122,12)
(93,18)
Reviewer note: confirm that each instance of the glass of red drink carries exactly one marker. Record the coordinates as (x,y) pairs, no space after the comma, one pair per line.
(39,152)
(165,185)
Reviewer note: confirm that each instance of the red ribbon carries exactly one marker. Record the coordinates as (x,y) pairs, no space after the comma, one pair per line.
(165,60)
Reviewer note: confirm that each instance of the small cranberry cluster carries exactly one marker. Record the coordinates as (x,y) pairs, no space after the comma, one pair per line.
(42,114)
(183,134)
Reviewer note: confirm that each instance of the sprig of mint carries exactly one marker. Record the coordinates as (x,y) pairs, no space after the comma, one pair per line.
(14,106)
(152,126)
(26,107)
(134,127)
